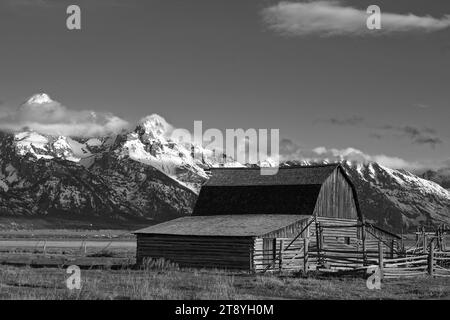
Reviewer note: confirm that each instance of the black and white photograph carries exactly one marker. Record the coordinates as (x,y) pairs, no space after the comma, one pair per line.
(224,155)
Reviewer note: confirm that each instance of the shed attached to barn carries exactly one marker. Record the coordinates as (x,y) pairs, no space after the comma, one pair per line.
(248,221)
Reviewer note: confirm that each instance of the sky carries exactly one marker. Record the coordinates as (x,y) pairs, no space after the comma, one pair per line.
(311,69)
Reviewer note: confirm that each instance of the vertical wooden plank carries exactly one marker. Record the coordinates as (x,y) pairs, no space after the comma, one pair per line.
(381,258)
(305,254)
(424,242)
(280,255)
(252,250)
(392,249)
(318,241)
(431,260)
(363,236)
(274,252)
(444,245)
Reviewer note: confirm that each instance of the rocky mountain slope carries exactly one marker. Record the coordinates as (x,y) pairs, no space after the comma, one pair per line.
(441,177)
(143,174)
(397,199)
(139,174)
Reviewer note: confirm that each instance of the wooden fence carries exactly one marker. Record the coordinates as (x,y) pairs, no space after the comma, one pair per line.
(332,256)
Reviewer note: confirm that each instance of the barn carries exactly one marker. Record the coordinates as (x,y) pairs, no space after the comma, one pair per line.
(304,217)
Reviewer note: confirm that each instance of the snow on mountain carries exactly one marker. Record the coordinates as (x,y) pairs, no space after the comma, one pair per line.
(149,145)
(145,174)
(440,176)
(40,98)
(41,175)
(49,147)
(141,174)
(396,199)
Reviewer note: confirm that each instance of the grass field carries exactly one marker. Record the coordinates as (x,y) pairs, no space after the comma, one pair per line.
(50,283)
(108,274)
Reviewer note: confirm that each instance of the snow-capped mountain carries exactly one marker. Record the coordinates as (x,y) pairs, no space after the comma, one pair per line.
(39,99)
(396,199)
(441,177)
(143,173)
(139,174)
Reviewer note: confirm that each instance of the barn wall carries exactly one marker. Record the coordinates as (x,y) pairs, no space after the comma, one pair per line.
(337,235)
(336,199)
(266,253)
(197,251)
(341,246)
(290,231)
(344,235)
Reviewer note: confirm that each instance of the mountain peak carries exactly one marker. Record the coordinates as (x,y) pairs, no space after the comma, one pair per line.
(39,98)
(154,125)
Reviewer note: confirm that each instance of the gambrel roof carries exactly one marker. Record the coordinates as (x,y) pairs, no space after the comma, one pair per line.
(293,190)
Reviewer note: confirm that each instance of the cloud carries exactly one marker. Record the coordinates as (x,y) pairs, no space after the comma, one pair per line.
(332,18)
(351,121)
(422,106)
(421,136)
(320,154)
(46,116)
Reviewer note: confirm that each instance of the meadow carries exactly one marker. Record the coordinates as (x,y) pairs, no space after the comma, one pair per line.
(27,272)
(153,283)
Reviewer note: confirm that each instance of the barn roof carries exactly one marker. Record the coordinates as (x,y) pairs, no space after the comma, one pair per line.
(293,190)
(224,225)
(297,175)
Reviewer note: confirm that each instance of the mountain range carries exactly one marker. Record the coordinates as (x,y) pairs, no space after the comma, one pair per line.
(142,175)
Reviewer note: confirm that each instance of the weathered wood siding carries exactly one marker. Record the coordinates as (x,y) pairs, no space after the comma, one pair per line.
(266,253)
(197,251)
(336,199)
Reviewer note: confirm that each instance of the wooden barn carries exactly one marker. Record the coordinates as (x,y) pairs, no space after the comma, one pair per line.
(302,218)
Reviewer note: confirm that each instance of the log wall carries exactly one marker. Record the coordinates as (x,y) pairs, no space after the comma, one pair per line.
(197,251)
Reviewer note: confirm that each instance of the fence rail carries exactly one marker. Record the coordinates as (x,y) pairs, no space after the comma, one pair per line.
(320,250)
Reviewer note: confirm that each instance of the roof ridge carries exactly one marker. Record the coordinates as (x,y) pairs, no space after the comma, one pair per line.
(336,164)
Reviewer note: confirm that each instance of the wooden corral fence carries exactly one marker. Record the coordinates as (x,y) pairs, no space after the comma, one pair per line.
(362,247)
(433,263)
(429,256)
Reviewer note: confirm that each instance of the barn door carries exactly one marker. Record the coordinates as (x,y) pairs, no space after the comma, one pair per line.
(269,252)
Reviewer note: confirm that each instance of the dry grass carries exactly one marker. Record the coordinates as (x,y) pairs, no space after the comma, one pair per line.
(175,283)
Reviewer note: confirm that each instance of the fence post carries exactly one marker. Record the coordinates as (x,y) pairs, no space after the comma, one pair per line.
(280,254)
(431,260)
(381,258)
(318,242)
(305,254)
(392,249)
(45,247)
(444,248)
(274,253)
(363,236)
(424,241)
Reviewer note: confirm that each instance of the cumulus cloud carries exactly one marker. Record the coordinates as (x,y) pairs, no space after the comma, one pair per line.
(44,115)
(293,151)
(331,18)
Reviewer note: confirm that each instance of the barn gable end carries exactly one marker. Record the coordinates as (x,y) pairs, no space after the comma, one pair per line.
(337,198)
